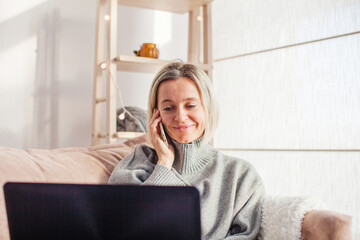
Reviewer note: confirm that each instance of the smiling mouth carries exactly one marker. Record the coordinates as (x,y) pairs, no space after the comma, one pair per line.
(183,128)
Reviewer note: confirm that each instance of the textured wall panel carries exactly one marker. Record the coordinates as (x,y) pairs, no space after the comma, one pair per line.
(303,97)
(241,26)
(333,177)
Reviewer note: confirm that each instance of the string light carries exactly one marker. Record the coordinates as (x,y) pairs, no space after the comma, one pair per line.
(199,18)
(128,114)
(122,116)
(103,65)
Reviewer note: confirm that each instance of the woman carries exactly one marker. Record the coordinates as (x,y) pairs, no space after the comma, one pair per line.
(231,192)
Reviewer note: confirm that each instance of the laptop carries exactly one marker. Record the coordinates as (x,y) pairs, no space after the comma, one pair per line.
(81,211)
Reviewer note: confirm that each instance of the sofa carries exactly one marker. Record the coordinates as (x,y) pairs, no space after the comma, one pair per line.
(283,217)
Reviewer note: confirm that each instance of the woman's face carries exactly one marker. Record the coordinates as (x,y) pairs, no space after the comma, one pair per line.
(181,110)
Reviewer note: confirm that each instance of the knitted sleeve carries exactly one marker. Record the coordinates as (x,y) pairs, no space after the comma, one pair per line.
(140,167)
(247,220)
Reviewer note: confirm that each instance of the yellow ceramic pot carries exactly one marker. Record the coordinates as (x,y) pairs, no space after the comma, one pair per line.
(148,50)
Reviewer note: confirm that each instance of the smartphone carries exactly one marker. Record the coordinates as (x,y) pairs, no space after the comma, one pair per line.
(163,136)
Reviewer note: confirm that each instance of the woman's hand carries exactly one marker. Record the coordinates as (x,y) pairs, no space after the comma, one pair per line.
(165,154)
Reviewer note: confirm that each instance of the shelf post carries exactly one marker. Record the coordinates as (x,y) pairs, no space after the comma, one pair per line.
(99,57)
(194,37)
(111,73)
(208,59)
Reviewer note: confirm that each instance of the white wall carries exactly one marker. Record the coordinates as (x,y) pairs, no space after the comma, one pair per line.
(47,60)
(290,71)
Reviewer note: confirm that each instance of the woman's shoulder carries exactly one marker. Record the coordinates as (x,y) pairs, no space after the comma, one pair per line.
(145,149)
(236,166)
(232,160)
(141,153)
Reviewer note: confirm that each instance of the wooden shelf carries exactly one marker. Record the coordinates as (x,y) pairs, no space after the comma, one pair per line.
(176,6)
(139,64)
(144,64)
(127,135)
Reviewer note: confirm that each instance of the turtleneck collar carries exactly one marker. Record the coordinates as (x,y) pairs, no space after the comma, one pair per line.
(191,157)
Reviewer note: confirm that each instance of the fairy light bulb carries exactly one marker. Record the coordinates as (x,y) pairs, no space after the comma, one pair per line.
(107,17)
(103,65)
(122,116)
(199,18)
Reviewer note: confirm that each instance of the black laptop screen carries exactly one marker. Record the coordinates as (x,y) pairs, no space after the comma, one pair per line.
(76,211)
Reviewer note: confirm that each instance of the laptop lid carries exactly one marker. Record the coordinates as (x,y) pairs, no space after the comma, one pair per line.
(78,211)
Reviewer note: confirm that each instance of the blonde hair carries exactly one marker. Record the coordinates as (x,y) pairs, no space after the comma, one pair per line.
(176,70)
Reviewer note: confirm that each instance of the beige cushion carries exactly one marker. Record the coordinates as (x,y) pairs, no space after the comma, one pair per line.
(95,164)
(326,225)
(67,165)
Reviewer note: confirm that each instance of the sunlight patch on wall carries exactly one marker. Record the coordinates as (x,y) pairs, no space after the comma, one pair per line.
(16,89)
(10,65)
(11,9)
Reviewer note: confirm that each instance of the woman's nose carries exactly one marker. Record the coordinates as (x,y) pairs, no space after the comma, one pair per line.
(181,115)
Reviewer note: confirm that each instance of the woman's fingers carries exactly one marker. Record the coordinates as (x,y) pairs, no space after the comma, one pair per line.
(156,113)
(154,129)
(165,153)
(154,123)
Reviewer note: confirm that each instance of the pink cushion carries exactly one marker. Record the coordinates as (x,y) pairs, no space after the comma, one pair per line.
(67,165)
(326,225)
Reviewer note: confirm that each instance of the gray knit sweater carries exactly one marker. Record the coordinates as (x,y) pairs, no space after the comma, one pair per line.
(231,191)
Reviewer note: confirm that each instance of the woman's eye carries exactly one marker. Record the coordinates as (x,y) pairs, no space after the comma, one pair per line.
(191,106)
(168,108)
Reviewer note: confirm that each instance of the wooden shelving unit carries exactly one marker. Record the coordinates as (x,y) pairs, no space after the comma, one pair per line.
(139,64)
(175,6)
(112,63)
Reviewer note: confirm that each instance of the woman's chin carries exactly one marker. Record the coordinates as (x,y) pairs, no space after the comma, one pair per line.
(183,139)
